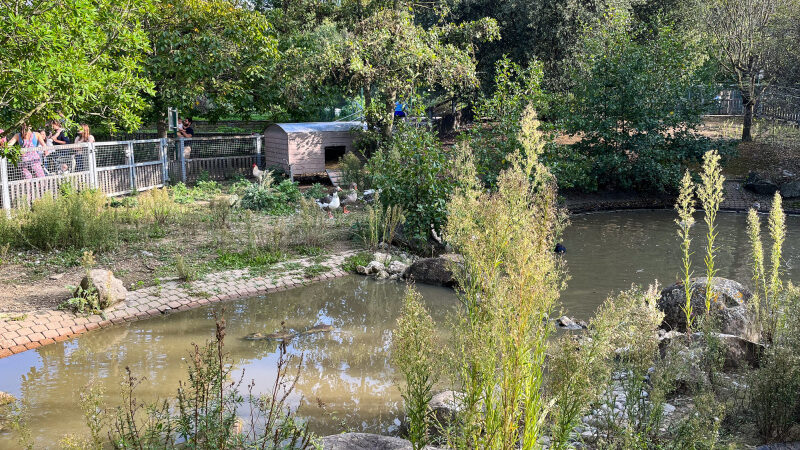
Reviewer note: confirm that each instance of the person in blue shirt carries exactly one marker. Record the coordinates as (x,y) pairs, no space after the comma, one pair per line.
(399,110)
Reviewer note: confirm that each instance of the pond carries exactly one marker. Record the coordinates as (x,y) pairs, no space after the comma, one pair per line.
(346,380)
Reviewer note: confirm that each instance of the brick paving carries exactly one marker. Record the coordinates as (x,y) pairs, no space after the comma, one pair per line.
(46,327)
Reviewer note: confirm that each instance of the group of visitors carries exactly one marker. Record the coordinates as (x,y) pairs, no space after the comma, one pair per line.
(40,154)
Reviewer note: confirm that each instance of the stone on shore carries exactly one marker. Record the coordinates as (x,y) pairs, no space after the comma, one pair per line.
(434,271)
(110,289)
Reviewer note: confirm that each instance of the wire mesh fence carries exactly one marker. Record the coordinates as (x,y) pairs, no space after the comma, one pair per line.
(774,102)
(122,167)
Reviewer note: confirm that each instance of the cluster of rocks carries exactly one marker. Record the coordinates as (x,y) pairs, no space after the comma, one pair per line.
(788,184)
(387,266)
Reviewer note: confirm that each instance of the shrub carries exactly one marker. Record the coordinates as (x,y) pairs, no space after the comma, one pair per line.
(413,171)
(316,191)
(71,220)
(414,353)
(353,171)
(159,207)
(359,259)
(381,226)
(274,200)
(635,102)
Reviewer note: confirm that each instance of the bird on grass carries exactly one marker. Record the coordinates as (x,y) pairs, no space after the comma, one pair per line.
(330,203)
(351,198)
(262,176)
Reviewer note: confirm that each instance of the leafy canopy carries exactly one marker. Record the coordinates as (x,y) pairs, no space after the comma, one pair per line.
(72,58)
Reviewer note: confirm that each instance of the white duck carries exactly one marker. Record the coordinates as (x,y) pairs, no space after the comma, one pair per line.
(330,202)
(351,198)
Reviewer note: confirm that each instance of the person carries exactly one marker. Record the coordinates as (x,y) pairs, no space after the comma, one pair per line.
(58,135)
(398,110)
(84,137)
(30,160)
(186,131)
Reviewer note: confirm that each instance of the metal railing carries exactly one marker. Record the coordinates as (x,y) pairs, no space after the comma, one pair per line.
(123,167)
(775,102)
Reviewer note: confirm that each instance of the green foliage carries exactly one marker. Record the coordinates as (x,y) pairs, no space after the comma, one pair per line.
(158,207)
(84,301)
(635,103)
(203,190)
(314,270)
(71,59)
(254,259)
(509,282)
(72,220)
(515,88)
(210,58)
(353,171)
(414,172)
(685,207)
(359,259)
(185,271)
(415,353)
(275,200)
(381,225)
(710,193)
(316,191)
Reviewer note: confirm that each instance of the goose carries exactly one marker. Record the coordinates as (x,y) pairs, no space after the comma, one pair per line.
(330,202)
(351,198)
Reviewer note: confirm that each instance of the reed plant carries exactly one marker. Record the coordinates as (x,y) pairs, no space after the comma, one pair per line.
(710,192)
(414,353)
(685,221)
(382,224)
(509,282)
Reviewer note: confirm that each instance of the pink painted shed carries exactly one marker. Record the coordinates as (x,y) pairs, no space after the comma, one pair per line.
(305,148)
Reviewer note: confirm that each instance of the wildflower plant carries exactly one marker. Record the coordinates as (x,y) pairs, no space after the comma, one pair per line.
(710,193)
(685,221)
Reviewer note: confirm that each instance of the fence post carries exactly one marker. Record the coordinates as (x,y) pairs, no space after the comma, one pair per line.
(182,159)
(164,162)
(93,182)
(4,181)
(258,150)
(131,161)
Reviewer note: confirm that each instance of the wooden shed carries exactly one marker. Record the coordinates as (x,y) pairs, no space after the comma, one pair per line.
(305,148)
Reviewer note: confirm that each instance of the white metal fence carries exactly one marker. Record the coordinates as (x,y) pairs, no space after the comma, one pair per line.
(775,102)
(122,167)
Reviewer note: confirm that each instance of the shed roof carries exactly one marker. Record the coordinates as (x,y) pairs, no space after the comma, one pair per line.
(316,127)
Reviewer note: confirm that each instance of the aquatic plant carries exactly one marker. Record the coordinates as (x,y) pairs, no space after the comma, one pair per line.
(509,282)
(710,193)
(414,352)
(685,221)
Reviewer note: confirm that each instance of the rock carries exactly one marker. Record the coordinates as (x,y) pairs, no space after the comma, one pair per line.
(730,306)
(569,324)
(790,189)
(365,441)
(110,289)
(381,257)
(382,275)
(781,446)
(760,185)
(361,270)
(434,270)
(56,276)
(375,267)
(445,405)
(737,352)
(6,398)
(397,267)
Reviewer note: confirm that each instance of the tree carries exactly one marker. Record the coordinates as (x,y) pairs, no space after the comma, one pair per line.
(636,99)
(69,59)
(209,58)
(378,48)
(744,34)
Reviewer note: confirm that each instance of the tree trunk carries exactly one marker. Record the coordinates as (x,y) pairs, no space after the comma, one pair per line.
(748,103)
(161,127)
(389,115)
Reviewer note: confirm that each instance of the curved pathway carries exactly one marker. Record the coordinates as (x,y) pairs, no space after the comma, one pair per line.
(46,327)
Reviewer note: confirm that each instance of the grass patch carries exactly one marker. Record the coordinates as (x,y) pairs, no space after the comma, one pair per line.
(292,266)
(314,270)
(359,259)
(308,250)
(257,261)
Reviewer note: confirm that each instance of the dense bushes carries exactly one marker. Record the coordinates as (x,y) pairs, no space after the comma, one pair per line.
(71,220)
(280,199)
(412,170)
(635,101)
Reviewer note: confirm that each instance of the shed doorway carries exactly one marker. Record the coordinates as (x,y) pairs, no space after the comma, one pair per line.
(333,154)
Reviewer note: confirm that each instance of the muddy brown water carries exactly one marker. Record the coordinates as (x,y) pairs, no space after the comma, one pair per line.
(347,380)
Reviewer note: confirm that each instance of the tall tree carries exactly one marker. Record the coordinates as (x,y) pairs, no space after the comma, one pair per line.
(744,33)
(72,58)
(209,58)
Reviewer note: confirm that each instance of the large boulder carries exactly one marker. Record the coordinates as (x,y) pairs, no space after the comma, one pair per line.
(434,270)
(759,184)
(737,352)
(790,189)
(445,405)
(730,306)
(109,288)
(365,441)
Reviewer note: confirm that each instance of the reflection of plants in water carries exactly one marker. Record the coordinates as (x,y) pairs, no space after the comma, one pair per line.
(204,413)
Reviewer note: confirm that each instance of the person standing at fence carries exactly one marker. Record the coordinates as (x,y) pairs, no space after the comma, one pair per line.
(30,160)
(186,132)
(57,134)
(84,137)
